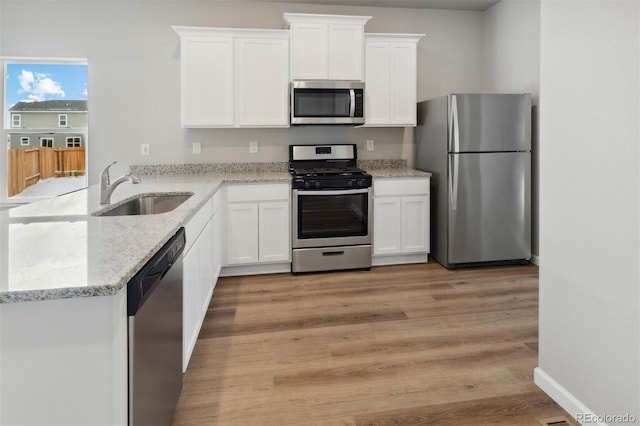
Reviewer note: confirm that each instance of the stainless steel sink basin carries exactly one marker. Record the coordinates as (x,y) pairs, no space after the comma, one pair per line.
(144,204)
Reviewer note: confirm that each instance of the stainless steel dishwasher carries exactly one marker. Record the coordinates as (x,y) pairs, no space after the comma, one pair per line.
(154,307)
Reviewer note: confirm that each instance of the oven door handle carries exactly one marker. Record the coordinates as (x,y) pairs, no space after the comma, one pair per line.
(329,193)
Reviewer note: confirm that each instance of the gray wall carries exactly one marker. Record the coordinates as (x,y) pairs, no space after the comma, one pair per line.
(589,341)
(133,62)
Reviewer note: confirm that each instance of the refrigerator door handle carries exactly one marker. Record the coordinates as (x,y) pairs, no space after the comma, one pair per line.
(454,126)
(454,148)
(453,181)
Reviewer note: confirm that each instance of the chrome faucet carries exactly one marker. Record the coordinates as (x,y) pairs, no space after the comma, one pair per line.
(107,188)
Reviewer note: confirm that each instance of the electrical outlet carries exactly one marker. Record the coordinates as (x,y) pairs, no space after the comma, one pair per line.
(253,147)
(197,148)
(370,145)
(144,149)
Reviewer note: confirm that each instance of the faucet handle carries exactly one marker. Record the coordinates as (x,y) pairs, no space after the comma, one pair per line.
(105,174)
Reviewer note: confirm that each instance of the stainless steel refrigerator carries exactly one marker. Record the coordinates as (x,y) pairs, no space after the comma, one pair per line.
(478,149)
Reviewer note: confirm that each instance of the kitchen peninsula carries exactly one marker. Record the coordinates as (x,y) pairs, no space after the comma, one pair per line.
(63,322)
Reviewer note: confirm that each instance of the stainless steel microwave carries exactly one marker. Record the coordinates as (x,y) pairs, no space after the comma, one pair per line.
(327,102)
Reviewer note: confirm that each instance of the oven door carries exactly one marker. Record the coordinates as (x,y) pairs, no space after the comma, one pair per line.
(326,218)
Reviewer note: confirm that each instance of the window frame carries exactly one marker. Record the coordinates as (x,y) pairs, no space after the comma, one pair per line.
(23,139)
(61,118)
(15,125)
(76,141)
(42,140)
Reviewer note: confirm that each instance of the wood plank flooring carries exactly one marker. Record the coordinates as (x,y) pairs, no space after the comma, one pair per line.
(397,345)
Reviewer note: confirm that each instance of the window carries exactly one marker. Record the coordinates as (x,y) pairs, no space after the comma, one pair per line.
(45,105)
(73,142)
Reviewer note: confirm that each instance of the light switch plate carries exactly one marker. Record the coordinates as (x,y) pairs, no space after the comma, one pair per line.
(145,149)
(370,145)
(253,147)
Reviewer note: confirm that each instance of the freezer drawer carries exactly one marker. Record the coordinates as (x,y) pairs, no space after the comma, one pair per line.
(489,207)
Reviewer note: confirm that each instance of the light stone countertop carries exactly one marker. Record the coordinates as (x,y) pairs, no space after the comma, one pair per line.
(401,173)
(55,249)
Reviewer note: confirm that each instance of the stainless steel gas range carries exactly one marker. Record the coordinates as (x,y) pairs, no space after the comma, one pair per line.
(331,209)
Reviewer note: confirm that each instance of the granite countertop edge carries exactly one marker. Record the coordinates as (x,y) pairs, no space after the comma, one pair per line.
(202,180)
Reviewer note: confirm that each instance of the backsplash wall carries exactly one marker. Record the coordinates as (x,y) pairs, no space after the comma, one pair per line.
(232,145)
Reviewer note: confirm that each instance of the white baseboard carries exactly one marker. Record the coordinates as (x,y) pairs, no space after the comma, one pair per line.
(563,397)
(535,260)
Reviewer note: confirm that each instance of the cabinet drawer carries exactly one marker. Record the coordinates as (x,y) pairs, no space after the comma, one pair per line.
(197,223)
(258,192)
(409,186)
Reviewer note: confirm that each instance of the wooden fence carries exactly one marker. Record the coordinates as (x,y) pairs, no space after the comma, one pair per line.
(28,165)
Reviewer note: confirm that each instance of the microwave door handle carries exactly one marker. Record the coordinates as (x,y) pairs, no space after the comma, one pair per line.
(352,103)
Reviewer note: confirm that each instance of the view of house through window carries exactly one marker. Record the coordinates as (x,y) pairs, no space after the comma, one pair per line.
(46,128)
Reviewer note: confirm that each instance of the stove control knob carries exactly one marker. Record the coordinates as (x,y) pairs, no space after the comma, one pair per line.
(306,185)
(361,183)
(317,184)
(350,183)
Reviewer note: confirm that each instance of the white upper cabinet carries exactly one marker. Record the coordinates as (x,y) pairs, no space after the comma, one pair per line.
(391,79)
(262,81)
(234,77)
(326,47)
(206,61)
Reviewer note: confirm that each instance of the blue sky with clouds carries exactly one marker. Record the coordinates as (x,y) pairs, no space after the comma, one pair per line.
(45,82)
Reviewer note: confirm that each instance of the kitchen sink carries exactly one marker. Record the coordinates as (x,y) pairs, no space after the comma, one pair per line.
(144,204)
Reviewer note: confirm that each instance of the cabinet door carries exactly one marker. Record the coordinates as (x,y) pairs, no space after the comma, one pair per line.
(309,51)
(198,282)
(216,246)
(262,82)
(190,309)
(377,78)
(242,233)
(205,270)
(275,240)
(415,224)
(206,68)
(390,77)
(387,225)
(346,43)
(402,63)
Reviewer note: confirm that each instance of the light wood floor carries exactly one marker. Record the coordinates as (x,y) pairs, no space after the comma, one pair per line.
(396,345)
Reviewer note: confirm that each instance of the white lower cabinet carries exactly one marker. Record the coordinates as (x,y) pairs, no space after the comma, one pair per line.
(273,232)
(257,229)
(401,220)
(199,276)
(217,249)
(242,233)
